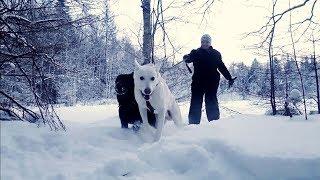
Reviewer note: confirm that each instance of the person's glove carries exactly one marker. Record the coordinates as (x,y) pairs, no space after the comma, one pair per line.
(186,57)
(232,81)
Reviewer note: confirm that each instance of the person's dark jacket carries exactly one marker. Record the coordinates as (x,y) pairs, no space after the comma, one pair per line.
(206,63)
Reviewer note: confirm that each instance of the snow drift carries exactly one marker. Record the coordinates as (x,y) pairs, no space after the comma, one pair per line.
(95,147)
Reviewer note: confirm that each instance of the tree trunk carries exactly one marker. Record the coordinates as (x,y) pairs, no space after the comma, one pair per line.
(271,66)
(107,75)
(316,74)
(272,88)
(147,29)
(286,104)
(298,69)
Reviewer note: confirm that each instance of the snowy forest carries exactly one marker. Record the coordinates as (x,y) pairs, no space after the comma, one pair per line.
(60,54)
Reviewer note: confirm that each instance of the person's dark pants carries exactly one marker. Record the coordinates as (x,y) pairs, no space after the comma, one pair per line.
(209,91)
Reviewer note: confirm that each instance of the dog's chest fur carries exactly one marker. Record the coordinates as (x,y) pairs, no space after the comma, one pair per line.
(156,109)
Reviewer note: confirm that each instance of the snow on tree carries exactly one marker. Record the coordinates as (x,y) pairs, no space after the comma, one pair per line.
(295,96)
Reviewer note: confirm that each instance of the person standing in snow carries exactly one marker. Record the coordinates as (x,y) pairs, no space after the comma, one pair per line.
(205,80)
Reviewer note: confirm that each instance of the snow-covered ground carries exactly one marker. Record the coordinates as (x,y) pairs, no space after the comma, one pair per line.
(238,146)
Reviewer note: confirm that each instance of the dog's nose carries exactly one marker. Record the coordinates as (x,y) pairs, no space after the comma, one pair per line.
(147,91)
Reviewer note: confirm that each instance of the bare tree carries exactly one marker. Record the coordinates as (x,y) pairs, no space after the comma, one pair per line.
(298,69)
(267,33)
(30,59)
(147,29)
(315,68)
(271,61)
(153,19)
(286,104)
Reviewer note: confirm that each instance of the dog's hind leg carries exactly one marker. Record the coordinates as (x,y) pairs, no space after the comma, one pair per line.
(176,115)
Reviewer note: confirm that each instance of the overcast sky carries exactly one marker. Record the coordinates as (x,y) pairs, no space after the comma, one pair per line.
(226,23)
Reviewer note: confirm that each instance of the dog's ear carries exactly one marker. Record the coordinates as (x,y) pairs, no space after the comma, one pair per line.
(136,65)
(158,74)
(157,66)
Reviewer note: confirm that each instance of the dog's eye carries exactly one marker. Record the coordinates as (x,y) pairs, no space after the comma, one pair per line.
(141,78)
(152,78)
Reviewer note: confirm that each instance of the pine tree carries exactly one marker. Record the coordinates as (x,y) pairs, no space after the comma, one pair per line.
(255,76)
(66,39)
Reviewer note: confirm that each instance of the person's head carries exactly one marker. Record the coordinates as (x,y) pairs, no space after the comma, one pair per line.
(205,41)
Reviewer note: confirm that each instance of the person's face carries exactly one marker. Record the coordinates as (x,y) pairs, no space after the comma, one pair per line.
(205,44)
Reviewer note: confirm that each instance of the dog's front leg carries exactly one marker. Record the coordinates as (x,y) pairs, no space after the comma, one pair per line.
(144,116)
(160,120)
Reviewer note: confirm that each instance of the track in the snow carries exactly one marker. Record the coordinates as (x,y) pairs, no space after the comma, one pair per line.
(232,111)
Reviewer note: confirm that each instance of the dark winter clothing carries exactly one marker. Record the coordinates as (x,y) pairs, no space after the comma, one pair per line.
(206,63)
(205,82)
(212,108)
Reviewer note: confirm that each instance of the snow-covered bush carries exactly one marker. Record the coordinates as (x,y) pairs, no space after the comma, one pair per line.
(295,96)
(281,111)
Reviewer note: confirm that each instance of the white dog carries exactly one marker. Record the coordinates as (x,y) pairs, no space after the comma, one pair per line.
(150,87)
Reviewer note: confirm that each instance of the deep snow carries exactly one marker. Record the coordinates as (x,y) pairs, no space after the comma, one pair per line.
(239,146)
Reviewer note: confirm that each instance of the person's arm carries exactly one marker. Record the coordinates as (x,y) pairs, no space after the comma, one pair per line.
(190,58)
(223,69)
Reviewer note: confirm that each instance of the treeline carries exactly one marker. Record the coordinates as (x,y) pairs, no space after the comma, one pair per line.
(255,79)
(60,52)
(57,52)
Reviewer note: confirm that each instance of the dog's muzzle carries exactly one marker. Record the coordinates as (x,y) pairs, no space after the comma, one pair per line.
(120,90)
(145,96)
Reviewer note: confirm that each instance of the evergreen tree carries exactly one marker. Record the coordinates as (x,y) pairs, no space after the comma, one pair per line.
(242,82)
(265,88)
(279,82)
(255,77)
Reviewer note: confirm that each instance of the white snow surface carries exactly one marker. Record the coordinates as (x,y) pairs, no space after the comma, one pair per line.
(238,146)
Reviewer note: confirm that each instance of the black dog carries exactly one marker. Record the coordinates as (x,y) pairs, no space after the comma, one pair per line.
(128,107)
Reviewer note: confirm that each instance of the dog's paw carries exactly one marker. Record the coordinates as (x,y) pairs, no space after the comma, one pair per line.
(181,125)
(136,126)
(157,137)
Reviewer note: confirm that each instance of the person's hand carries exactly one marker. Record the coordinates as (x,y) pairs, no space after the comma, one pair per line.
(232,81)
(186,57)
